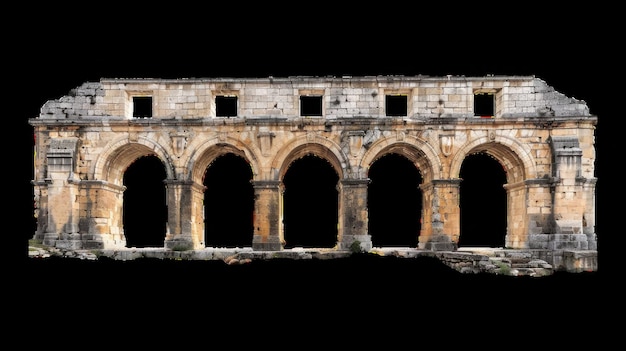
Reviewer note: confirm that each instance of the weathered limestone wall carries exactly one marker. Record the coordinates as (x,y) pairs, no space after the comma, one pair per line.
(351,97)
(543,139)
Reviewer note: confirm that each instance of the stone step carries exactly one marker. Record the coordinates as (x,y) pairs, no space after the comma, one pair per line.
(524,266)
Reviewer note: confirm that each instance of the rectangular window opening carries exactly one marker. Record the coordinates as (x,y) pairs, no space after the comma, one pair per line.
(310,105)
(484,105)
(142,106)
(226,106)
(396,105)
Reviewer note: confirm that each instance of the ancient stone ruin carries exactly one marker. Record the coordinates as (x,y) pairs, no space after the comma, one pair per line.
(318,162)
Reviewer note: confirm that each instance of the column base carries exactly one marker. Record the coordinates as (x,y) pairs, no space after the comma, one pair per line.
(69,241)
(48,239)
(180,243)
(93,242)
(262,243)
(439,242)
(350,242)
(558,241)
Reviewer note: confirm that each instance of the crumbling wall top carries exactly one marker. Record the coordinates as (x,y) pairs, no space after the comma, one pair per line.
(343,97)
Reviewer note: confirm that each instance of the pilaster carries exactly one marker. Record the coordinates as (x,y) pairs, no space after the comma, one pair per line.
(568,211)
(353,215)
(268,235)
(102,225)
(185,225)
(440,229)
(62,187)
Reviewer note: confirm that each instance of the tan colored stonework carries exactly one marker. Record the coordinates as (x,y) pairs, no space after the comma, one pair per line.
(543,139)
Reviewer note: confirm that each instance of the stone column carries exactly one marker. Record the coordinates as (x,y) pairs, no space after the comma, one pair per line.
(353,215)
(268,234)
(441,219)
(185,215)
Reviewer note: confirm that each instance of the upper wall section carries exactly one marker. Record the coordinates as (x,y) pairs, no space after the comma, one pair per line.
(414,97)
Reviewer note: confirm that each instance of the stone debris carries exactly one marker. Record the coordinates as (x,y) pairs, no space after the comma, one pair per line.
(491,261)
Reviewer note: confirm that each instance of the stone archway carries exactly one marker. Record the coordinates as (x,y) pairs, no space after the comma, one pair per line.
(144,203)
(394,201)
(305,145)
(228,202)
(424,159)
(482,202)
(515,159)
(310,203)
(192,195)
(310,166)
(106,223)
(113,161)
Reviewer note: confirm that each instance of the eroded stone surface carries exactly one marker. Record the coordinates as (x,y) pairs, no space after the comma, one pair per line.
(543,139)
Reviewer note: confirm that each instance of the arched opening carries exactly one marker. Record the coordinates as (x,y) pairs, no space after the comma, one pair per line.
(310,212)
(394,202)
(482,202)
(228,202)
(145,206)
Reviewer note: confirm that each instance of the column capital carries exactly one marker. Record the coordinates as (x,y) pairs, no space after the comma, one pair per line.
(265,184)
(102,184)
(355,182)
(438,183)
(453,182)
(178,182)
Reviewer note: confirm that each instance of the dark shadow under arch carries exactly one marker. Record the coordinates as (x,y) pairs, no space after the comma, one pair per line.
(483,202)
(310,211)
(228,202)
(394,202)
(145,206)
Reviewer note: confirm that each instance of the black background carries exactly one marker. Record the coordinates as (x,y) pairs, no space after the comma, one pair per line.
(51,49)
